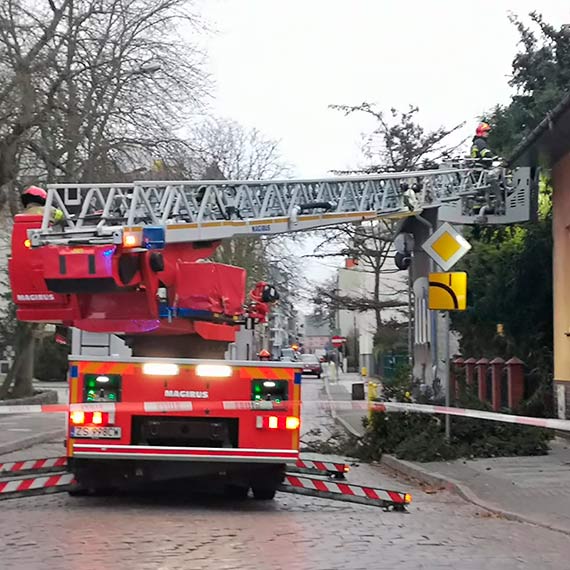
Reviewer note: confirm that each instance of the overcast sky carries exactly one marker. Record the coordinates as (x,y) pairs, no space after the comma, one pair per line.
(278,64)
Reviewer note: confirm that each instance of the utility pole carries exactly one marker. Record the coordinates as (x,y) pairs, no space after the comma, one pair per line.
(410,321)
(356,355)
(446,380)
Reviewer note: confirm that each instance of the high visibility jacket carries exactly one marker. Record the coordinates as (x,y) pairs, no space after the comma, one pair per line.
(480,149)
(37,210)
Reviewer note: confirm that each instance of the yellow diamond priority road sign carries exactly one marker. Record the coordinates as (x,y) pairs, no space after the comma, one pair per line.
(447,291)
(446,246)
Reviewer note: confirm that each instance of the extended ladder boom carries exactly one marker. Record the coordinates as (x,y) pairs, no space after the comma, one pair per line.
(193,211)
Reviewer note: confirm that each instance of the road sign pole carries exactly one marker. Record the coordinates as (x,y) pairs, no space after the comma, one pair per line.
(447,383)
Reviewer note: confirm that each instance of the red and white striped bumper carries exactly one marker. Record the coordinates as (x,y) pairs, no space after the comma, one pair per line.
(94,451)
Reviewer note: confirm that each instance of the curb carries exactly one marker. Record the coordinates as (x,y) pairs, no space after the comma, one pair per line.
(436,479)
(31,440)
(42,397)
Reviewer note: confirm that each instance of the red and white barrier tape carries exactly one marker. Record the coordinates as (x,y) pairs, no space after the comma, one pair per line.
(551,423)
(32,465)
(35,483)
(346,489)
(230,405)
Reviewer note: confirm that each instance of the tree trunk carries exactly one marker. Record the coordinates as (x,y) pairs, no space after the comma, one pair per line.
(22,370)
(23,378)
(377,310)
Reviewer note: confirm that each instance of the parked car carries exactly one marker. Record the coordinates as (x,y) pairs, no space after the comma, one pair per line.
(311,365)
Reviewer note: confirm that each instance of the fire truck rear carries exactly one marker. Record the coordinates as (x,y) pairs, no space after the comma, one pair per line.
(139,421)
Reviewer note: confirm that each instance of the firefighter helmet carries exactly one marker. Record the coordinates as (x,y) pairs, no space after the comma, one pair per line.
(482,129)
(264,354)
(34,195)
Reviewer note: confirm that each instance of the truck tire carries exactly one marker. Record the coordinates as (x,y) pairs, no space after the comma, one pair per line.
(263,492)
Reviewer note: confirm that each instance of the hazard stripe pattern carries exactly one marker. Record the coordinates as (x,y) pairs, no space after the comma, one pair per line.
(45,482)
(251,373)
(32,464)
(345,489)
(104,367)
(322,466)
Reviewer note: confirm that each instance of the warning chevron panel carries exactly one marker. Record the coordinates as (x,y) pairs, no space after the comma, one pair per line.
(448,291)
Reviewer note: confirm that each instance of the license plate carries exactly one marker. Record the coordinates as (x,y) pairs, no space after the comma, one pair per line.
(96,432)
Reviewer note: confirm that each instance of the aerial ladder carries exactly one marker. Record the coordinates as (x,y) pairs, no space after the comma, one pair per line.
(133,260)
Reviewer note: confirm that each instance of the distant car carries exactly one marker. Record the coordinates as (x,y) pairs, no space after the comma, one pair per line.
(311,365)
(289,355)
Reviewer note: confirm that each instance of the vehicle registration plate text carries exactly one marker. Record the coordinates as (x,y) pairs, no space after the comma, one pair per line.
(96,432)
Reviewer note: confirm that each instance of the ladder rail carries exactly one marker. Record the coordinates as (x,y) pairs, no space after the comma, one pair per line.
(273,206)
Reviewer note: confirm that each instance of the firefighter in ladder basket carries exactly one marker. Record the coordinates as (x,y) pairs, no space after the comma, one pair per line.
(34,201)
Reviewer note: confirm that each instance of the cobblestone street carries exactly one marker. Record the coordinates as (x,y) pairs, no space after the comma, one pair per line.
(292,532)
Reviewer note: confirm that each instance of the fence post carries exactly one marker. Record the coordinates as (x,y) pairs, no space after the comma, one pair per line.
(497,365)
(454,380)
(515,380)
(482,365)
(470,371)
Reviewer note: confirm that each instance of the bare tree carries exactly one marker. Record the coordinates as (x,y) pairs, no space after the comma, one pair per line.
(239,153)
(90,90)
(400,143)
(397,143)
(224,149)
(370,246)
(129,83)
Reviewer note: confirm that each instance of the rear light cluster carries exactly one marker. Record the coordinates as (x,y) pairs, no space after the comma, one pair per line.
(277,422)
(79,418)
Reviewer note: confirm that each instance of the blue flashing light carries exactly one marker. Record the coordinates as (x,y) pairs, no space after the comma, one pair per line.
(73,372)
(165,312)
(153,237)
(297,379)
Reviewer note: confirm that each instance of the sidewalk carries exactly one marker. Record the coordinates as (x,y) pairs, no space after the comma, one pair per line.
(341,389)
(18,431)
(530,489)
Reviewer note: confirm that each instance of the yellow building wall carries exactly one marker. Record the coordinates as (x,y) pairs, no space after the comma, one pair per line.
(561,268)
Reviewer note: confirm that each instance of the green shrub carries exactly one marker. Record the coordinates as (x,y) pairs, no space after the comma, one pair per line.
(421,437)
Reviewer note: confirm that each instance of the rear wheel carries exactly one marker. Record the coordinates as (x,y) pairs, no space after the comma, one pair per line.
(263,492)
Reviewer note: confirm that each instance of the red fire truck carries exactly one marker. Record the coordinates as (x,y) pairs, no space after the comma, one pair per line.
(132,259)
(180,418)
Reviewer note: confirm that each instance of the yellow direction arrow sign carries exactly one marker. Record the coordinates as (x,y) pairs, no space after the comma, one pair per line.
(448,291)
(446,246)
